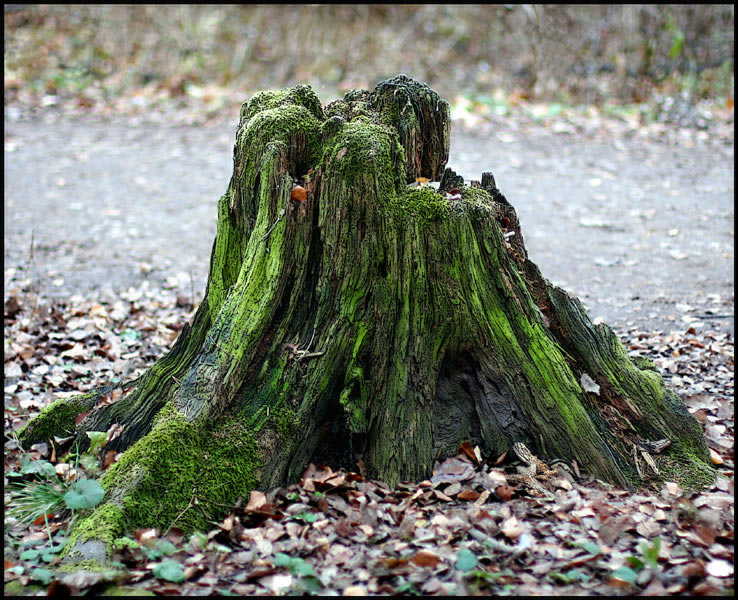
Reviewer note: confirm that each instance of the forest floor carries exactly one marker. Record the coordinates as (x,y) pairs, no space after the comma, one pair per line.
(109,224)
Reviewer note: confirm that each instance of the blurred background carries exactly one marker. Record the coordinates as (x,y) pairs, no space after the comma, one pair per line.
(669,63)
(609,127)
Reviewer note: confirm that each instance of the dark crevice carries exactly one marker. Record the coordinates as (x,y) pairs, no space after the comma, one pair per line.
(382,268)
(471,406)
(335,444)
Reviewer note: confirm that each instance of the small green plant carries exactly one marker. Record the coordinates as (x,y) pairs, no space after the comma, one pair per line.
(125,542)
(571,576)
(307,517)
(169,570)
(466,560)
(641,568)
(161,548)
(85,493)
(650,554)
(307,581)
(39,492)
(130,335)
(30,499)
(407,588)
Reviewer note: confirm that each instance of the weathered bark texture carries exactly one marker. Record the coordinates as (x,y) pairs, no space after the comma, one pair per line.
(373,321)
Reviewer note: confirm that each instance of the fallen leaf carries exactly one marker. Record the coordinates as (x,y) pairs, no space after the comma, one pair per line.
(453,489)
(257,500)
(469,494)
(355,590)
(504,492)
(146,537)
(588,384)
(671,489)
(715,457)
(12,307)
(512,528)
(80,417)
(42,519)
(468,451)
(719,568)
(426,558)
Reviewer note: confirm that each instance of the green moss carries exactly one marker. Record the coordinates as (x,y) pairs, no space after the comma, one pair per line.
(354,106)
(354,399)
(362,148)
(643,363)
(284,419)
(104,524)
(421,205)
(125,542)
(180,473)
(129,591)
(292,124)
(681,464)
(86,565)
(475,195)
(57,419)
(301,95)
(16,588)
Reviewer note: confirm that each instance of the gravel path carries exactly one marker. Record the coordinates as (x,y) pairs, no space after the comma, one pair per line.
(640,230)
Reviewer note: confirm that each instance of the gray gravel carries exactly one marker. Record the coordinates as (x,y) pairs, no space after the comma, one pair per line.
(641,230)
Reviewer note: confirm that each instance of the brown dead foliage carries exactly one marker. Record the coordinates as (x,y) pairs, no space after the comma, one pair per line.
(466,530)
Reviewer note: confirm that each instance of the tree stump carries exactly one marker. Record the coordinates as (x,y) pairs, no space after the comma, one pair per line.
(350,316)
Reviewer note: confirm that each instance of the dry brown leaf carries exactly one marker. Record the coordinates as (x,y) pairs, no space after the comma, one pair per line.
(469,494)
(393,562)
(63,470)
(442,496)
(482,498)
(146,537)
(111,456)
(671,489)
(43,518)
(355,590)
(426,558)
(648,528)
(563,484)
(694,569)
(467,450)
(257,500)
(512,528)
(453,469)
(504,492)
(715,458)
(229,522)
(76,351)
(615,581)
(453,489)
(114,431)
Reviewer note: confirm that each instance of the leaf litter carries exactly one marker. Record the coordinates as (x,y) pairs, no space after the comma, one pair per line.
(472,528)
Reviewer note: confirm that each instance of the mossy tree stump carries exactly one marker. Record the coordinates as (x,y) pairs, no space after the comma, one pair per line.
(370,320)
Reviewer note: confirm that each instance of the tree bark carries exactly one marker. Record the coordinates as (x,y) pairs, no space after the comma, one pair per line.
(371,320)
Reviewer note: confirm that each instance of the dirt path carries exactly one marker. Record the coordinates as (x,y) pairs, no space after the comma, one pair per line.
(642,231)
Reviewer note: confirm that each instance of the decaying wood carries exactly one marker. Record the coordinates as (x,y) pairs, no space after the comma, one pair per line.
(352,318)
